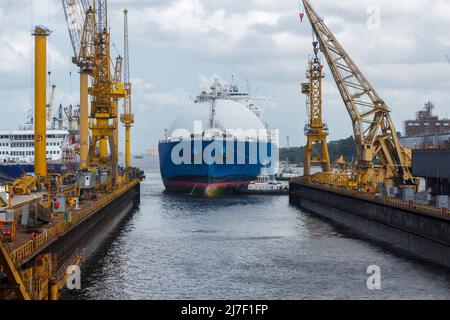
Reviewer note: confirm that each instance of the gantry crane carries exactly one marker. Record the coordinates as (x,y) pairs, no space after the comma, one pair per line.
(127,118)
(380,156)
(316,131)
(102,113)
(89,32)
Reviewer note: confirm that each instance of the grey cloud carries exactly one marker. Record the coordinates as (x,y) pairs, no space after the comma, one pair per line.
(405,59)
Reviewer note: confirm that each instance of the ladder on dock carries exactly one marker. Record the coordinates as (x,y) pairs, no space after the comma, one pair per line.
(12,272)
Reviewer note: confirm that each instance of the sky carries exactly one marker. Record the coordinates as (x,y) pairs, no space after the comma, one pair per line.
(179,46)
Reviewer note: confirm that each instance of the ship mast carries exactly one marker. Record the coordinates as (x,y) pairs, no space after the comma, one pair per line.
(212,120)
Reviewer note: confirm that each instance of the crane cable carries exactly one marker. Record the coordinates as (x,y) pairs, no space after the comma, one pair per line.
(301,10)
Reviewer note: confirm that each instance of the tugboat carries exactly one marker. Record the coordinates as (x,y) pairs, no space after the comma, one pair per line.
(265,186)
(288,172)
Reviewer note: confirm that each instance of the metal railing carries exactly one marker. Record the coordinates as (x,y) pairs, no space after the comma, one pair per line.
(425,209)
(20,254)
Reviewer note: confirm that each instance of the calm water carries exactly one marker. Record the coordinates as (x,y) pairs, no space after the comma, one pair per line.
(255,247)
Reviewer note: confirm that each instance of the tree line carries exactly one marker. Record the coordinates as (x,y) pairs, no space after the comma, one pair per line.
(344,147)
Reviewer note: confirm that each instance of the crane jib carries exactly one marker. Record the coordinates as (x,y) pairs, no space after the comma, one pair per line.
(375,134)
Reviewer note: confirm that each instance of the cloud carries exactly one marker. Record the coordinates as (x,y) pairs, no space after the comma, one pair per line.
(178,47)
(205,81)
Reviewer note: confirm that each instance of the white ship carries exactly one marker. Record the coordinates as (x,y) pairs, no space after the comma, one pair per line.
(17,146)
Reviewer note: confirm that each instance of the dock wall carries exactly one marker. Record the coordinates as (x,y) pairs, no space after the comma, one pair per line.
(424,235)
(83,238)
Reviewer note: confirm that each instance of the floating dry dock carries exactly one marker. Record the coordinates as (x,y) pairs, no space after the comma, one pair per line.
(35,263)
(49,222)
(419,229)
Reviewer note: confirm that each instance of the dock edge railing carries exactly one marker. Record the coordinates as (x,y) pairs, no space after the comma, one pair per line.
(19,255)
(424,209)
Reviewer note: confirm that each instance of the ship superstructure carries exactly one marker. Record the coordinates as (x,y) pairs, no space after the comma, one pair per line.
(62,144)
(234,93)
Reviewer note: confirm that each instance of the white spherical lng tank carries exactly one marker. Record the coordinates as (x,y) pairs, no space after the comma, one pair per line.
(229,115)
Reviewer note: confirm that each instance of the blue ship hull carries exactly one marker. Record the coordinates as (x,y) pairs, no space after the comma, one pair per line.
(9,172)
(206,177)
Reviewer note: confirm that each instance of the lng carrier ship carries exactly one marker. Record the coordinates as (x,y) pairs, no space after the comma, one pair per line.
(219,143)
(50,222)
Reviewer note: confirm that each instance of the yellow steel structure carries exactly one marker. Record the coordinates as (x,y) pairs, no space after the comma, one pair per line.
(119,87)
(116,125)
(103,150)
(127,118)
(88,29)
(13,272)
(80,21)
(40,104)
(103,91)
(315,130)
(30,273)
(84,119)
(380,156)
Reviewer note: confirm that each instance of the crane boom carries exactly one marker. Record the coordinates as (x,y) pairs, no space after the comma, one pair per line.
(126,48)
(316,131)
(127,81)
(79,17)
(75,12)
(127,118)
(50,104)
(102,111)
(378,148)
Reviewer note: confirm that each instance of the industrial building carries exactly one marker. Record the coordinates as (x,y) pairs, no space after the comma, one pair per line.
(426,123)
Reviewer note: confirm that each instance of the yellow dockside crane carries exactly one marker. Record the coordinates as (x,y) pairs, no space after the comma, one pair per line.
(127,118)
(89,31)
(102,113)
(80,17)
(316,131)
(380,156)
(29,269)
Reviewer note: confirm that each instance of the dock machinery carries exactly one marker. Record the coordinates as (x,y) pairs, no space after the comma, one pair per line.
(380,156)
(80,22)
(127,118)
(89,31)
(316,131)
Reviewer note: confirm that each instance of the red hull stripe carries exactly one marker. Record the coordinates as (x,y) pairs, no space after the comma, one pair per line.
(212,186)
